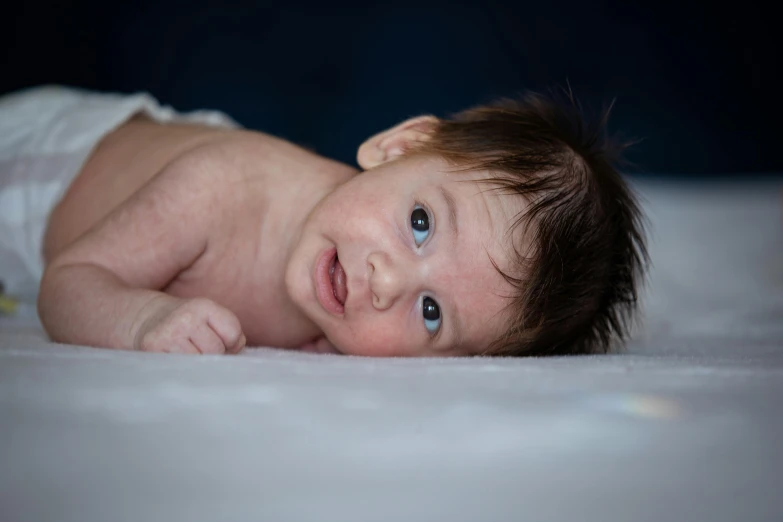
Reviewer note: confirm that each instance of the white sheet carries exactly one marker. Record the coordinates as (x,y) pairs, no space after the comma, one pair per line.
(686,426)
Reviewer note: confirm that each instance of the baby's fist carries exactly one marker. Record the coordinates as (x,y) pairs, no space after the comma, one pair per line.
(198,326)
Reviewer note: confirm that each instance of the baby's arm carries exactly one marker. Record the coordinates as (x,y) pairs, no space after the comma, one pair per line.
(104,289)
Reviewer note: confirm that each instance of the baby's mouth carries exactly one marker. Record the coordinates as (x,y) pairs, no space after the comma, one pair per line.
(339,281)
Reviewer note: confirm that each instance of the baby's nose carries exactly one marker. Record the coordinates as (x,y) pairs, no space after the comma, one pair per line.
(387,280)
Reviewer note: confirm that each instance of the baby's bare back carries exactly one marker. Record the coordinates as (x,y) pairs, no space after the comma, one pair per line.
(120,165)
(190,211)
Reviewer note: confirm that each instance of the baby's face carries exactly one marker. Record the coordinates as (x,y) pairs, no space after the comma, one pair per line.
(396,262)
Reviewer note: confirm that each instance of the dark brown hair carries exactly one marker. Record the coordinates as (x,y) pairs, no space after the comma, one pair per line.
(576,286)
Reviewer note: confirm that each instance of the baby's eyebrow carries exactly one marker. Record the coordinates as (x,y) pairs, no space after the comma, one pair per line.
(451,203)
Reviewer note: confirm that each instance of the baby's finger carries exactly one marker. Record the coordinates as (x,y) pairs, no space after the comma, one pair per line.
(206,340)
(181,346)
(226,325)
(238,346)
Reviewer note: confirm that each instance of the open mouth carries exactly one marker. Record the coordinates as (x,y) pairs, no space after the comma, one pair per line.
(331,282)
(337,277)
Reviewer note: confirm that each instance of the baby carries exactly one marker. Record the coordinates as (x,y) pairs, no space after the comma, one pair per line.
(503,231)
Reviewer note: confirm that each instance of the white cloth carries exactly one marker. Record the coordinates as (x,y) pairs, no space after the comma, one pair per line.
(46,135)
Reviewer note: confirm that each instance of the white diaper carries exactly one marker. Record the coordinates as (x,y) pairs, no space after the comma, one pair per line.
(46,135)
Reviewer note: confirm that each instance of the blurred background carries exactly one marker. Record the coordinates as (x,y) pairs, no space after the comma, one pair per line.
(695,81)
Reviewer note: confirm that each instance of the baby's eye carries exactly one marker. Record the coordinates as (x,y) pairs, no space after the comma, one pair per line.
(420,223)
(431,312)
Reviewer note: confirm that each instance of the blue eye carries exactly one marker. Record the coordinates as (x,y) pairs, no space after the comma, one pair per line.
(420,223)
(431,312)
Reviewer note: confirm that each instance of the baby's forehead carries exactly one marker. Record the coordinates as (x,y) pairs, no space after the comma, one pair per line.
(484,305)
(505,227)
(486,263)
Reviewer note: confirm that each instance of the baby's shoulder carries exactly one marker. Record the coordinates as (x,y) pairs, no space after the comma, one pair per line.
(221,157)
(221,168)
(265,162)
(241,156)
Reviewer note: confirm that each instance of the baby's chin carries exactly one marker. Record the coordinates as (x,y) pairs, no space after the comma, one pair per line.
(320,345)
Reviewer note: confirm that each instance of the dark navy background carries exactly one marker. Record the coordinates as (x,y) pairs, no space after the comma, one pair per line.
(697,82)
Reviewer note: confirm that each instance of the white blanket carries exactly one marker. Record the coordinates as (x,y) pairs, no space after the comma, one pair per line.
(686,426)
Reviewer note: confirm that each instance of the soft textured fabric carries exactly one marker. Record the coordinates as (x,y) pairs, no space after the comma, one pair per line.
(685,426)
(46,135)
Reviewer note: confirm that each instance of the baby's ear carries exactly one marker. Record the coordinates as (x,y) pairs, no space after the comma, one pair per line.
(394,142)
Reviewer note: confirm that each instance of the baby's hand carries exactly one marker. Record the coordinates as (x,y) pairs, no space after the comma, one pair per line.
(198,326)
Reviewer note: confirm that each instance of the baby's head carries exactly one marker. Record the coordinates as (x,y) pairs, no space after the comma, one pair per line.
(503,231)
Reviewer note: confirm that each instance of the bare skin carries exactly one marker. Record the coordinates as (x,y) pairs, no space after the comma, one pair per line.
(190,239)
(189,227)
